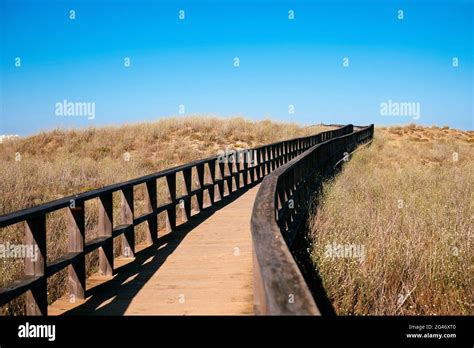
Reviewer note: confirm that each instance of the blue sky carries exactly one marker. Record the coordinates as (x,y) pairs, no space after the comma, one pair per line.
(190,62)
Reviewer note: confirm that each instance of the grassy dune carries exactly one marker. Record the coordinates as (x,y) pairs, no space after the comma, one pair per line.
(64,162)
(408,201)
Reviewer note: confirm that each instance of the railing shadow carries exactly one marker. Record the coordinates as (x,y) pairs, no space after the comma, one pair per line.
(302,246)
(312,277)
(114,296)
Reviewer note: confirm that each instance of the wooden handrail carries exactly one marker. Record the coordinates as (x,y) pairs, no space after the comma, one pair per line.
(265,159)
(279,218)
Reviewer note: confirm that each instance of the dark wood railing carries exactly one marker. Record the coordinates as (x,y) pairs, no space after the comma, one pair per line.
(264,159)
(279,218)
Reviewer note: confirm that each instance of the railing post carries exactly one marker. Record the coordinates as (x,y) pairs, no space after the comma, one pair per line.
(221,182)
(200,195)
(187,173)
(230,181)
(281,154)
(268,159)
(35,237)
(171,212)
(128,237)
(76,235)
(259,164)
(151,202)
(237,168)
(212,171)
(106,252)
(273,155)
(277,156)
(245,173)
(256,164)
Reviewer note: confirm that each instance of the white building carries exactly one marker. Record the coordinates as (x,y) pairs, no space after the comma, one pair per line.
(8,136)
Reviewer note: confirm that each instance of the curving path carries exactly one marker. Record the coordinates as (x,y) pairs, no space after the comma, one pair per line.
(204,267)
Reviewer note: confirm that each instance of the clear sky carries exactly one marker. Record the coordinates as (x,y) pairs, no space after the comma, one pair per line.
(190,62)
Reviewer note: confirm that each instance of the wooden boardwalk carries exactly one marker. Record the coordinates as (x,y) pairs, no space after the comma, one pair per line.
(204,267)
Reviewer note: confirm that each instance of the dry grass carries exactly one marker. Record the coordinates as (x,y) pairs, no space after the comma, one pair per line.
(409,203)
(64,162)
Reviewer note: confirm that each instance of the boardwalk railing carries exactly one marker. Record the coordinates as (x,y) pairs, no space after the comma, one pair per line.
(230,170)
(278,218)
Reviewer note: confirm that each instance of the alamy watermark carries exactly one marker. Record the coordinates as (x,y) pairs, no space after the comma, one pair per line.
(236,156)
(393,108)
(20,251)
(68,108)
(28,330)
(334,250)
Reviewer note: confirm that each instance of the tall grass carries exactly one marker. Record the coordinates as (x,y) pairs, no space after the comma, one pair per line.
(408,201)
(59,163)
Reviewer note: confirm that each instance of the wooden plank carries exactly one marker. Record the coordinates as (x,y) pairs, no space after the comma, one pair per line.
(17,288)
(96,243)
(268,160)
(260,167)
(187,175)
(151,205)
(237,169)
(62,262)
(220,183)
(35,237)
(105,227)
(142,218)
(126,214)
(212,171)
(229,178)
(245,173)
(121,229)
(171,211)
(200,194)
(76,235)
(207,271)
